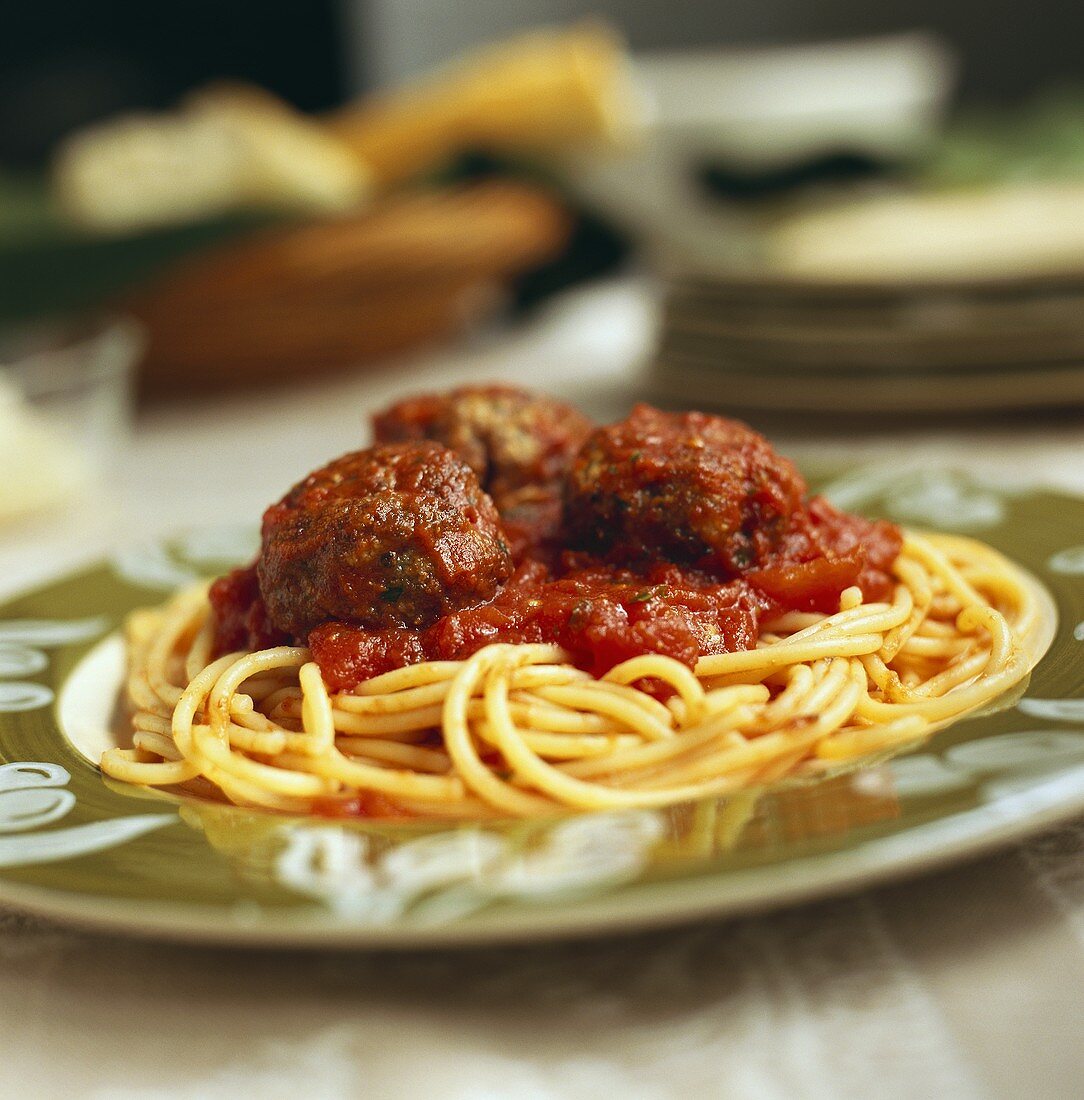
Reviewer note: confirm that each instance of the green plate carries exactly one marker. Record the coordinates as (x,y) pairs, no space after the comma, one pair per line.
(77,847)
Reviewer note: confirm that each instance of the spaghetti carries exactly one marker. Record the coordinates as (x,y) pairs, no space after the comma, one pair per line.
(518,730)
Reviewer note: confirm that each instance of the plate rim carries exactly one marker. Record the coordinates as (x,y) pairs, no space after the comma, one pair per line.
(308,927)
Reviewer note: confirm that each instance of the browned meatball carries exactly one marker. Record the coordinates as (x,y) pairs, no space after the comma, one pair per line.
(513,440)
(395,536)
(684,487)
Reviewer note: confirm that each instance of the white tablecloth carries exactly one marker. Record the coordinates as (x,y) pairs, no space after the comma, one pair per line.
(963,984)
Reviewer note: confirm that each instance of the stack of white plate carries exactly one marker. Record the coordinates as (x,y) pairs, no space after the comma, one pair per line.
(790,345)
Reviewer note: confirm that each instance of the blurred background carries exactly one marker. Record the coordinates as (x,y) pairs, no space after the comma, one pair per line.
(229,230)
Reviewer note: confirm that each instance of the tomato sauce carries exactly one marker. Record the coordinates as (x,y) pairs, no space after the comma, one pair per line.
(600,613)
(601,616)
(677,534)
(240,615)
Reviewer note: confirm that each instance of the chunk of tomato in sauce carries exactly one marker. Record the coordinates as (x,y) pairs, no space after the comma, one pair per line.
(349,655)
(239,614)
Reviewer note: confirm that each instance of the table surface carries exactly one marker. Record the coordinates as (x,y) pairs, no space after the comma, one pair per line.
(966,983)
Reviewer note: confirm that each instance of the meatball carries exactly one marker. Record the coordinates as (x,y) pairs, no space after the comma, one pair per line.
(395,536)
(518,443)
(686,487)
